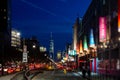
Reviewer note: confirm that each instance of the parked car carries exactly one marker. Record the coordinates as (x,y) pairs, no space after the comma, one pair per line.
(68,69)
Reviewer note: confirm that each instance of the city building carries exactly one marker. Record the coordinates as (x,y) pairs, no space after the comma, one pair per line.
(100,33)
(75,33)
(15,38)
(51,47)
(33,48)
(43,49)
(59,55)
(5,30)
(16,49)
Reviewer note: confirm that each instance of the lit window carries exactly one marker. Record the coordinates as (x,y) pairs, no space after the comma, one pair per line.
(119,38)
(4,10)
(4,17)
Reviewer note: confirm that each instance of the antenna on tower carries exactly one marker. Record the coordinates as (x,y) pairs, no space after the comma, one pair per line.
(51,35)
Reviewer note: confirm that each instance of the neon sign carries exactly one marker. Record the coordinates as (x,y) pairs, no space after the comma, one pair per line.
(102,29)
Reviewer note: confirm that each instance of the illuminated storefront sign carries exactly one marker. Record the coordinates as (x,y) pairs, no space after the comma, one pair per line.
(118,16)
(58,55)
(92,43)
(81,48)
(72,52)
(78,49)
(102,29)
(85,44)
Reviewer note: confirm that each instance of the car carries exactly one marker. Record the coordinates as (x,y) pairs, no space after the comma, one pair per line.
(60,67)
(68,69)
(17,68)
(50,67)
(10,70)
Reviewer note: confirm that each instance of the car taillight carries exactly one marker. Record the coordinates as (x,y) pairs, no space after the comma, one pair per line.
(5,69)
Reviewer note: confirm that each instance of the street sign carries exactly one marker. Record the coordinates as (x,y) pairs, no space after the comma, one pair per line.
(25,59)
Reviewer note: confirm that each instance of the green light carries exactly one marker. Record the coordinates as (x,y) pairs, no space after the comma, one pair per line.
(85,43)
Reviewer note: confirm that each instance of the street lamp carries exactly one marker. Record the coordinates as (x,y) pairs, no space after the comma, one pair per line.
(18,34)
(34,46)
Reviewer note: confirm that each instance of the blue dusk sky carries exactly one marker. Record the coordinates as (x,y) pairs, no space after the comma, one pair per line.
(41,17)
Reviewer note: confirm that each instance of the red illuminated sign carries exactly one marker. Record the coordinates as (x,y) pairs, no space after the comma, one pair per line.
(102,29)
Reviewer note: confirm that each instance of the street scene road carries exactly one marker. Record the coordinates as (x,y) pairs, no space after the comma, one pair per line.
(59,39)
(58,75)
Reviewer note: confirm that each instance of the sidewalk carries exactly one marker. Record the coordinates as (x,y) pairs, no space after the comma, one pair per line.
(96,76)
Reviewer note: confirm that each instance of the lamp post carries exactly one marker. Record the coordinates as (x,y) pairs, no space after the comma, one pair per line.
(34,47)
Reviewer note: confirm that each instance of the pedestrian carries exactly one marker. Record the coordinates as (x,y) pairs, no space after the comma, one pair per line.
(83,71)
(64,70)
(88,72)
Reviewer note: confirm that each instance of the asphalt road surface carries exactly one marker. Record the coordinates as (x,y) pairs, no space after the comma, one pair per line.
(58,75)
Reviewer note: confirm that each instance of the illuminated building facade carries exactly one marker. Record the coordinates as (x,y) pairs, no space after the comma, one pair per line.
(75,32)
(59,55)
(51,47)
(15,38)
(102,17)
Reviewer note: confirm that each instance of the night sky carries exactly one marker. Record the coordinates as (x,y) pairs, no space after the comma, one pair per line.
(40,17)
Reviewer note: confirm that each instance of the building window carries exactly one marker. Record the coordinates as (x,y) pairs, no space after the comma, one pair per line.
(4,10)
(4,17)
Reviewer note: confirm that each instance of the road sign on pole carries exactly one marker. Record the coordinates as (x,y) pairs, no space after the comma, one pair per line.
(25,54)
(25,59)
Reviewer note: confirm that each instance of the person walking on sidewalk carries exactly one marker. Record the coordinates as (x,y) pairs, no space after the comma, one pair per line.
(88,72)
(83,71)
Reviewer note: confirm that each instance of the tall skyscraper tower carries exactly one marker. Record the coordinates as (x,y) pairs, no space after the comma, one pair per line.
(51,49)
(5,29)
(75,31)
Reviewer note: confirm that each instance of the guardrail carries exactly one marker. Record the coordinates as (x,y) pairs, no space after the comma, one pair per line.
(13,78)
(29,74)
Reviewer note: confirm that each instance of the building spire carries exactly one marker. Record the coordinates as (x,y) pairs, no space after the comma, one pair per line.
(51,50)
(51,36)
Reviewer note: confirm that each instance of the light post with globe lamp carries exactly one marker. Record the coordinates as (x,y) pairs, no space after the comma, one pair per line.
(34,46)
(34,52)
